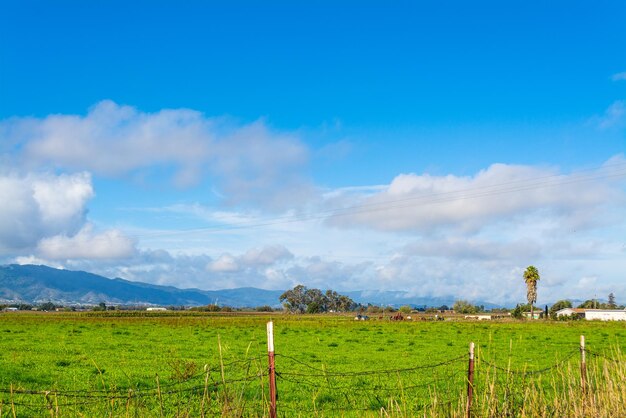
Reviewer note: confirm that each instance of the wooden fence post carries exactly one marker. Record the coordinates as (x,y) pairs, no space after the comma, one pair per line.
(583,365)
(470,380)
(272,368)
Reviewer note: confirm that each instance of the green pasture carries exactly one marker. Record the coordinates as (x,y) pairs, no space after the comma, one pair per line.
(184,365)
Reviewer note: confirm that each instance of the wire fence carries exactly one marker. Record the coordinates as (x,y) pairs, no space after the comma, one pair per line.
(239,388)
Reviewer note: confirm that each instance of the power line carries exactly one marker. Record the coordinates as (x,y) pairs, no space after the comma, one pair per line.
(411,201)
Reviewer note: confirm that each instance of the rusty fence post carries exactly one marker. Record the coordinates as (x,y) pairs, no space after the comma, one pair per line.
(272,368)
(470,380)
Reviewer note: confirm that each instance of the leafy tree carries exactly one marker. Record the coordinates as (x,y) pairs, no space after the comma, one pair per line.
(406,309)
(333,300)
(314,307)
(300,300)
(374,309)
(100,307)
(612,304)
(264,308)
(316,301)
(531,277)
(47,306)
(558,305)
(592,304)
(464,307)
(518,312)
(294,300)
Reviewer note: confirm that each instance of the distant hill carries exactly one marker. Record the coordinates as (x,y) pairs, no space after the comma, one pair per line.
(35,284)
(38,284)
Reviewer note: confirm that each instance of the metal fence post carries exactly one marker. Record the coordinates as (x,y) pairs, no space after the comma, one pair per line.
(272,368)
(470,380)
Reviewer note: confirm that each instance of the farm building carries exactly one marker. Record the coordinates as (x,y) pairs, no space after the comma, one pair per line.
(480,317)
(537,314)
(594,314)
(156,309)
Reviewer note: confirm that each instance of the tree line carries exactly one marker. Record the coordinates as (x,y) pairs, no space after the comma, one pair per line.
(301,299)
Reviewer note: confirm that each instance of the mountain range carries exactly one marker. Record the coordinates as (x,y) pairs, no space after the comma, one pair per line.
(38,284)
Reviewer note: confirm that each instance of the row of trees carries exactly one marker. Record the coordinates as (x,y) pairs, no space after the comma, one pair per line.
(465,307)
(301,299)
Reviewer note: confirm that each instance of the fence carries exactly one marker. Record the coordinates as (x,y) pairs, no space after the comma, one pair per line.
(291,386)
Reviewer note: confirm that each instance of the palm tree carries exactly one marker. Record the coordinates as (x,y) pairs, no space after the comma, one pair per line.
(531,275)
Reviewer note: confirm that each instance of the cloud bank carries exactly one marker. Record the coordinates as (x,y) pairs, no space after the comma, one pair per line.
(501,193)
(431,235)
(249,163)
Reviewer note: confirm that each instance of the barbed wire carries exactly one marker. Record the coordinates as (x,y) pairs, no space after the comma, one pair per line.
(605,357)
(529,372)
(351,408)
(125,393)
(324,373)
(316,378)
(105,392)
(371,388)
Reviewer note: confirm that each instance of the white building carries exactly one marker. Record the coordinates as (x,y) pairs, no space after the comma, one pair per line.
(594,314)
(605,314)
(480,317)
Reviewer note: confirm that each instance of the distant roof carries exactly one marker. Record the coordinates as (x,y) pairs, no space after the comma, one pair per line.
(577,310)
(583,310)
(603,310)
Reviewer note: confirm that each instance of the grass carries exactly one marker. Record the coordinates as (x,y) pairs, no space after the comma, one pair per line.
(206,365)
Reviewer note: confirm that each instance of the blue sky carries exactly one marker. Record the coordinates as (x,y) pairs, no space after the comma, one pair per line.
(427,147)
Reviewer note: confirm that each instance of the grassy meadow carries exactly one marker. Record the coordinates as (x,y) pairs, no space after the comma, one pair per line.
(183,364)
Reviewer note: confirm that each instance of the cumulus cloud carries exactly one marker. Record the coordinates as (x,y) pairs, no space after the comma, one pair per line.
(37,206)
(226,263)
(87,244)
(248,163)
(45,214)
(255,258)
(502,192)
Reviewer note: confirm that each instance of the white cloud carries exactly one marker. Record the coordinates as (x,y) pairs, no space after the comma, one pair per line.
(87,245)
(248,163)
(267,255)
(253,259)
(62,199)
(40,206)
(502,192)
(226,263)
(454,236)
(31,259)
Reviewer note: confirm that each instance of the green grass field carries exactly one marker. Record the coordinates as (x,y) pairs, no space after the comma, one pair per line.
(73,364)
